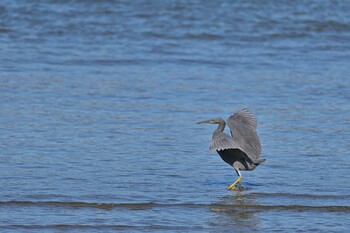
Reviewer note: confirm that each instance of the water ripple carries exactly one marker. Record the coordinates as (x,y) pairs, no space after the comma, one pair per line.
(151,205)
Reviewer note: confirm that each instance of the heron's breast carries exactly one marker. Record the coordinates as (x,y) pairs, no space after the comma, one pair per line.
(230,156)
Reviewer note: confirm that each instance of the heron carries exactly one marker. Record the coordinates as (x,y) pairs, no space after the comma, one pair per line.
(242,149)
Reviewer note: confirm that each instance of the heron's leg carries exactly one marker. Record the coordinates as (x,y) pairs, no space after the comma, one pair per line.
(233,185)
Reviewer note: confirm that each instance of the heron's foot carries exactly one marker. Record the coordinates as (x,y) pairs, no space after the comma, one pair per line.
(233,185)
(238,187)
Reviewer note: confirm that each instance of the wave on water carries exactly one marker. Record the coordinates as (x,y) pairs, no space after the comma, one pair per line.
(151,205)
(98,227)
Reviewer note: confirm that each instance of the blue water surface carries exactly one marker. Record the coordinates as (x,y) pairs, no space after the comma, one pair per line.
(99,101)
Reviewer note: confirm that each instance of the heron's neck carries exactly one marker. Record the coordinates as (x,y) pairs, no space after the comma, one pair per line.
(221,127)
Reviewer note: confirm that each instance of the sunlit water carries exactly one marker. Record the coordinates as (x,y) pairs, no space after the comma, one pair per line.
(99,99)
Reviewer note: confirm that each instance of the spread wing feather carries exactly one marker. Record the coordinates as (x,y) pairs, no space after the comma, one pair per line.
(243,130)
(222,141)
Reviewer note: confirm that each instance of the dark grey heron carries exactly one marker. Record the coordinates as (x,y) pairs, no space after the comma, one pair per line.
(242,149)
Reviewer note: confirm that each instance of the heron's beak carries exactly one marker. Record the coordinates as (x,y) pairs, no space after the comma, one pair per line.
(205,122)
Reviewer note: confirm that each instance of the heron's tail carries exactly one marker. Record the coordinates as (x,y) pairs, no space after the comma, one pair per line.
(258,161)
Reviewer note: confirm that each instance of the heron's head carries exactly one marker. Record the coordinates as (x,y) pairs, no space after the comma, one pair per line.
(212,121)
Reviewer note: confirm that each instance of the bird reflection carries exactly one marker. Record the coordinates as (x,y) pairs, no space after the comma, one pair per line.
(236,211)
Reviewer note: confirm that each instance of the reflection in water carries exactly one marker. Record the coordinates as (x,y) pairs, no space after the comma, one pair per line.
(234,211)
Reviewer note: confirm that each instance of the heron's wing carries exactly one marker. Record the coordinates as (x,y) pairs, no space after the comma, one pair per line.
(222,141)
(243,129)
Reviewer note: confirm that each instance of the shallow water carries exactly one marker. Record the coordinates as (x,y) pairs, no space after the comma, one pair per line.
(99,101)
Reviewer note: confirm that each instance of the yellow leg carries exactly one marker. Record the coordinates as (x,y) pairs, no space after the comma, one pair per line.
(232,186)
